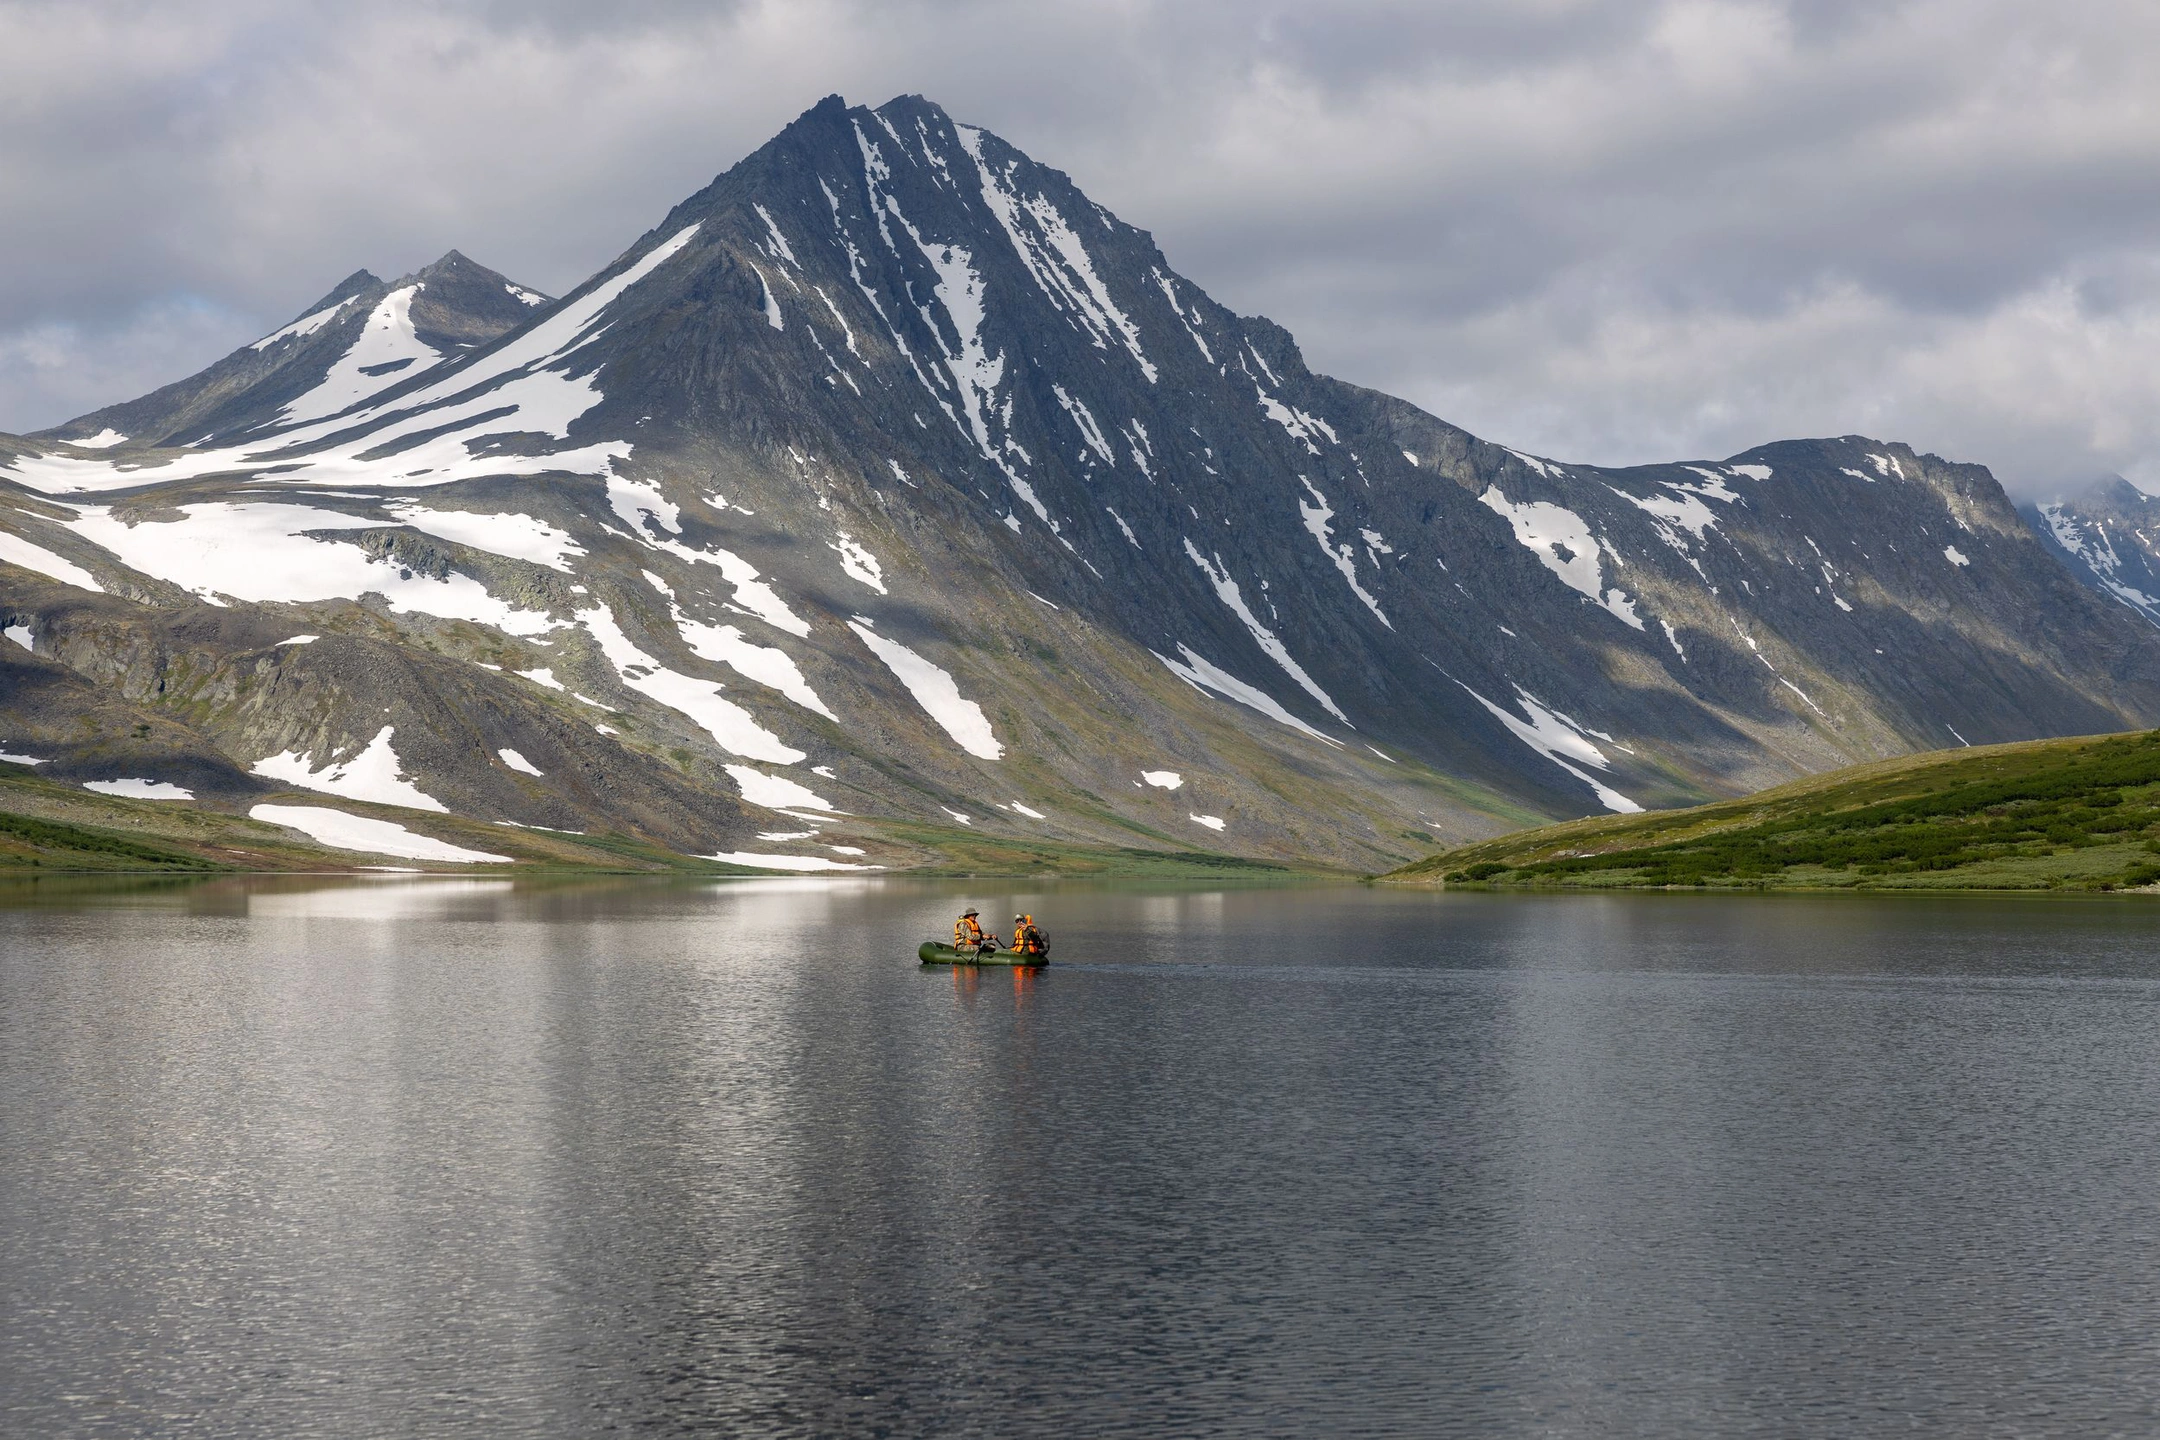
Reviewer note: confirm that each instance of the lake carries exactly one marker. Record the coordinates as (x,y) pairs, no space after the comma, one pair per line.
(285,1157)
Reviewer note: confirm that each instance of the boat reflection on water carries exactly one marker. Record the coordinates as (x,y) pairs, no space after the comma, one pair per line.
(967,981)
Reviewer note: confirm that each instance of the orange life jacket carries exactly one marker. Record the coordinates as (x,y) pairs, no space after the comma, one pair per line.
(966,933)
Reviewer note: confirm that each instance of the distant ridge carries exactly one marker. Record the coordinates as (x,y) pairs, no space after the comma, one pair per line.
(379,331)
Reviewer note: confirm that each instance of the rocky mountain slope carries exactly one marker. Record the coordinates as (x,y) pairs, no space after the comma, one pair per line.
(2109,536)
(888,475)
(362,337)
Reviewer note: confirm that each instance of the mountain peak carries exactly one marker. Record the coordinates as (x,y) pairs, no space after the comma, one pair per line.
(463,304)
(451,260)
(913,105)
(2113,490)
(356,283)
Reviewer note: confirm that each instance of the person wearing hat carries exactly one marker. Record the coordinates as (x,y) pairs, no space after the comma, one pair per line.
(1027,939)
(967,933)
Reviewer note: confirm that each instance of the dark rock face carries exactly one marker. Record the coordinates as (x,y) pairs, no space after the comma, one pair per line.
(890,473)
(2109,536)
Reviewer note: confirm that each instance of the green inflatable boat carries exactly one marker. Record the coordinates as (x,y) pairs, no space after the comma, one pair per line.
(933,953)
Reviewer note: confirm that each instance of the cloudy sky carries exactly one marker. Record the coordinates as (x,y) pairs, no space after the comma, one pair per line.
(1603,230)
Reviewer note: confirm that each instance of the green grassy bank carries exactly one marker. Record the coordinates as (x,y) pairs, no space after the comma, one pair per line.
(2076,814)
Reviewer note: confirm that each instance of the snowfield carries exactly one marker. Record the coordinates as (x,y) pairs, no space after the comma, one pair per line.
(937,693)
(375,775)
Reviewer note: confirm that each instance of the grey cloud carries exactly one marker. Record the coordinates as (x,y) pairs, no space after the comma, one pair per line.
(1607,230)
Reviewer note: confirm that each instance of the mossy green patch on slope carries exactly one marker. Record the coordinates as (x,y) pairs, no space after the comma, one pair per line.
(2049,814)
(26,841)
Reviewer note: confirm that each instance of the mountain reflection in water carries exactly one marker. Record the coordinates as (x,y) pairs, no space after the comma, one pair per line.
(469,1156)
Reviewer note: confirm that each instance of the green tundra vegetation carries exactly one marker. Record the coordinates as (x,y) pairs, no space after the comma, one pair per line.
(2077,814)
(27,840)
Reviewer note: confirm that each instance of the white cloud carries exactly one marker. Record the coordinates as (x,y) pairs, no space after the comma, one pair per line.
(1596,229)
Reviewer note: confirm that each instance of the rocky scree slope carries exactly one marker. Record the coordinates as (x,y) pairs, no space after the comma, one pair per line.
(890,475)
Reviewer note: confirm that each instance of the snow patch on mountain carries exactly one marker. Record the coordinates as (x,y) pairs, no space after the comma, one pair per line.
(937,693)
(775,792)
(1206,676)
(375,775)
(1559,740)
(549,344)
(511,534)
(138,788)
(859,563)
(1303,428)
(768,665)
(847,331)
(1713,486)
(772,305)
(2090,542)
(1192,322)
(305,325)
(1562,540)
(1054,255)
(753,595)
(387,351)
(1227,591)
(735,729)
(266,552)
(1084,419)
(18,551)
(637,502)
(1318,518)
(1682,506)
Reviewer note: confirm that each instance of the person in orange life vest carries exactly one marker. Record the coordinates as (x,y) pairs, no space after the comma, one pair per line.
(967,933)
(1026,938)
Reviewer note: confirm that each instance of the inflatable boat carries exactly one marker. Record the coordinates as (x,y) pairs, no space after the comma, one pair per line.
(933,953)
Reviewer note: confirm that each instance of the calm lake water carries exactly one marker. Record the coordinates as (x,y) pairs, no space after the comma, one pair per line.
(444,1158)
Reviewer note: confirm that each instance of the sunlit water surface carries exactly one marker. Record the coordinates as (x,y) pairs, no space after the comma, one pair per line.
(444,1158)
